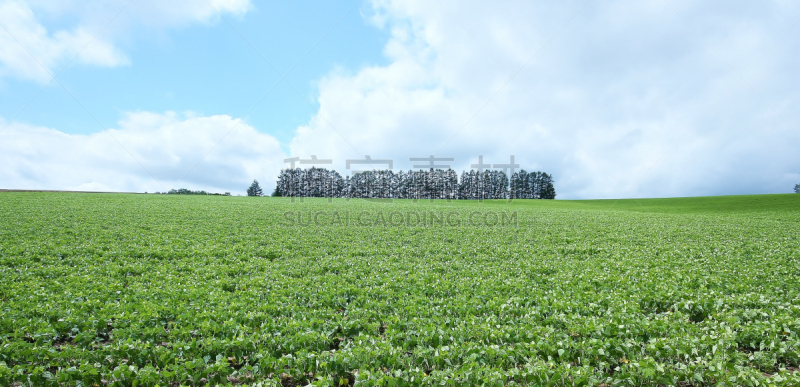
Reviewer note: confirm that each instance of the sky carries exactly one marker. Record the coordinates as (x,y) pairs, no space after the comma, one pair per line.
(615,99)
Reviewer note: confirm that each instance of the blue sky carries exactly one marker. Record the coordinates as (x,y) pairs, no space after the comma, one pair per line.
(210,69)
(616,99)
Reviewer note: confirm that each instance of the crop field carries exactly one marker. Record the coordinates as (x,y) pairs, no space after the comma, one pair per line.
(169,290)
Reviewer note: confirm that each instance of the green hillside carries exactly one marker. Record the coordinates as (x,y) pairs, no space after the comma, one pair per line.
(118,289)
(709,204)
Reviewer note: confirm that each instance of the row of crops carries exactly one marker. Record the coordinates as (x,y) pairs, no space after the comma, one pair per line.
(129,290)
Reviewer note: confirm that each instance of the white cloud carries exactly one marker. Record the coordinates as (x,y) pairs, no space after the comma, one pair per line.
(31,50)
(148,152)
(28,51)
(629,99)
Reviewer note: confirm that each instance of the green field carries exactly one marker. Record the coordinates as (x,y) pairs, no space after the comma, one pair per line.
(168,290)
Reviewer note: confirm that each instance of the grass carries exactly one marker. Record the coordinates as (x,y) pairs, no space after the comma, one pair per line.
(105,289)
(788,203)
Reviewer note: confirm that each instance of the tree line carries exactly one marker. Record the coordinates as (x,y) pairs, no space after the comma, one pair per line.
(186,191)
(431,184)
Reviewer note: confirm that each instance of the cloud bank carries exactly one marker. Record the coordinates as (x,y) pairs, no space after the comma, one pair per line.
(619,99)
(147,152)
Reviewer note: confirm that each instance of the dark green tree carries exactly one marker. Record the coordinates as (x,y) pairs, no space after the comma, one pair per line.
(797,188)
(548,190)
(255,189)
(277,192)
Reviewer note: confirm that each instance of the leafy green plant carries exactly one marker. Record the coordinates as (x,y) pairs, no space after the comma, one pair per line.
(124,290)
